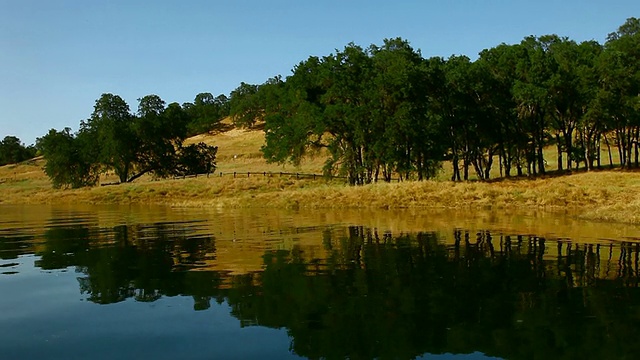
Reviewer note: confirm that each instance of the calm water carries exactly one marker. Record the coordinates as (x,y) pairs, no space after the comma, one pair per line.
(125,283)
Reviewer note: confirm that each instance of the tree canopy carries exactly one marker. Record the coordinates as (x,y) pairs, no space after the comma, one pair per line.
(386,110)
(12,151)
(206,112)
(130,145)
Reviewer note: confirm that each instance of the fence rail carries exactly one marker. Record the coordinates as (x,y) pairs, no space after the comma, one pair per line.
(249,174)
(297,175)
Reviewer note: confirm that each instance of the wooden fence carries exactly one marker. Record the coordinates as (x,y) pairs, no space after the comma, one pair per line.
(249,174)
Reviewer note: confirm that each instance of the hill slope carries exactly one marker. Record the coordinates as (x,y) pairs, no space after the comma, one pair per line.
(239,151)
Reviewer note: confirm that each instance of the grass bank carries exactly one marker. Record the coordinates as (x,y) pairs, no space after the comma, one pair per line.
(605,195)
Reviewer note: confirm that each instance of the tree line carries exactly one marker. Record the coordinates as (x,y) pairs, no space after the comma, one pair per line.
(130,145)
(12,151)
(386,110)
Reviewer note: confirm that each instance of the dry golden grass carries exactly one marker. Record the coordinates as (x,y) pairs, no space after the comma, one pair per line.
(605,195)
(239,151)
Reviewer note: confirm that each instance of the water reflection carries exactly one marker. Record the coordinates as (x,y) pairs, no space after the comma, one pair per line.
(360,293)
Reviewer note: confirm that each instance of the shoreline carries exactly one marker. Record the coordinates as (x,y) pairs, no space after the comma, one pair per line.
(610,196)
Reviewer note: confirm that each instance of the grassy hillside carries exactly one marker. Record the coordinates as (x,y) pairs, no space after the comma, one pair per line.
(239,151)
(604,195)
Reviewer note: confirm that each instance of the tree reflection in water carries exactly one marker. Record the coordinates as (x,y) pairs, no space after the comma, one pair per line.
(382,295)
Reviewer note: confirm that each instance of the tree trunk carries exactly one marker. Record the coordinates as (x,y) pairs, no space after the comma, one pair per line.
(466,168)
(138,175)
(477,165)
(606,141)
(629,146)
(559,147)
(123,173)
(621,152)
(598,152)
(487,170)
(419,166)
(519,169)
(456,168)
(635,145)
(568,144)
(540,154)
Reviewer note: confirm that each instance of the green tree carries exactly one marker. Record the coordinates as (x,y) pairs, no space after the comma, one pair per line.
(404,136)
(206,112)
(12,150)
(160,133)
(70,160)
(346,116)
(112,127)
(245,105)
(499,65)
(195,159)
(296,125)
(570,89)
(590,125)
(620,79)
(149,142)
(367,107)
(463,117)
(531,92)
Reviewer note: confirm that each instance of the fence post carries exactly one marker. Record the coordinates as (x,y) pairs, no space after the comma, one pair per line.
(248,174)
(234,174)
(297,176)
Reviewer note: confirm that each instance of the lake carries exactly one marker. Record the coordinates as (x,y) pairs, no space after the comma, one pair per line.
(79,282)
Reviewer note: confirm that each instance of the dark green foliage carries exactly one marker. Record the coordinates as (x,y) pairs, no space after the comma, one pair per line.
(499,68)
(112,127)
(386,110)
(620,81)
(130,145)
(70,159)
(206,112)
(13,151)
(369,108)
(245,106)
(196,159)
(160,132)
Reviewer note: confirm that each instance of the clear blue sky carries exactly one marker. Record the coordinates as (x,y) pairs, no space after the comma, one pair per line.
(58,56)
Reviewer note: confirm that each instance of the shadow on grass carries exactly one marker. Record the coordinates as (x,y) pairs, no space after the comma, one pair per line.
(559,173)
